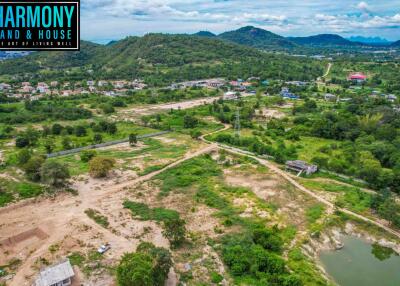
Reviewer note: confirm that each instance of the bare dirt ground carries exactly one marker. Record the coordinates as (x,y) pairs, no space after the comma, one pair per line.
(136,112)
(271,113)
(290,204)
(27,230)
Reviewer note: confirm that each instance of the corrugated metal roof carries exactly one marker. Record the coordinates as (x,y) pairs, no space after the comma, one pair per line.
(56,273)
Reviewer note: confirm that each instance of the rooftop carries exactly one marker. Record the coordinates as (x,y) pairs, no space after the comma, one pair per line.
(56,273)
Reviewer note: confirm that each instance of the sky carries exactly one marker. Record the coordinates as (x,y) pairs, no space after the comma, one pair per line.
(105,20)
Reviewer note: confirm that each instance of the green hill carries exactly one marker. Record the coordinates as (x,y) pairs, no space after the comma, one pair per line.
(205,34)
(257,38)
(323,40)
(161,59)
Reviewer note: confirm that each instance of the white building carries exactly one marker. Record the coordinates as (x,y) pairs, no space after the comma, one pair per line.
(60,274)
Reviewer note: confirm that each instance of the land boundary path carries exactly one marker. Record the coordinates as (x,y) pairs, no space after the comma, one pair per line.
(283,174)
(58,215)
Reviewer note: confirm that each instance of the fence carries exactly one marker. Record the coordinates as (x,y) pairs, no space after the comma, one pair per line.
(105,144)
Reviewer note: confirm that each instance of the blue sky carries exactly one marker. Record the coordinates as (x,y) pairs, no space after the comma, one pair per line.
(104,20)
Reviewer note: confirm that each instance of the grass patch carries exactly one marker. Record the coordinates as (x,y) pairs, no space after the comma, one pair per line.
(188,173)
(97,217)
(144,212)
(314,213)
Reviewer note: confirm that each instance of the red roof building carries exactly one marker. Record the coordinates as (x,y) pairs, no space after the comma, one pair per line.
(357,77)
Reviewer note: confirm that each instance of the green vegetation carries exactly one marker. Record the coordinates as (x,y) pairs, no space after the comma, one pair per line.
(149,266)
(145,213)
(161,59)
(97,217)
(174,227)
(99,167)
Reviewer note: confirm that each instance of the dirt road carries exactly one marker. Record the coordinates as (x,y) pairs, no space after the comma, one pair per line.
(331,206)
(151,109)
(31,228)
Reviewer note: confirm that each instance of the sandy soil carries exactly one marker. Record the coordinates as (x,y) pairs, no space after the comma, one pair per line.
(61,221)
(272,113)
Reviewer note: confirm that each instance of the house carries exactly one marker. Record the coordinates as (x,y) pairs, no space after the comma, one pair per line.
(60,274)
(4,86)
(25,83)
(357,77)
(230,95)
(391,97)
(285,93)
(102,83)
(26,89)
(42,87)
(301,166)
(54,84)
(330,97)
(90,83)
(66,93)
(119,84)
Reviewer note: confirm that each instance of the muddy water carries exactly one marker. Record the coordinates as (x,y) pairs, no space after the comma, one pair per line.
(360,263)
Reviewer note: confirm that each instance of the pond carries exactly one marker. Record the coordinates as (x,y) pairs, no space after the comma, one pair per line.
(360,263)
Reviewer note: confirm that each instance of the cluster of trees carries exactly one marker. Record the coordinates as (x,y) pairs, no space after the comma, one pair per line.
(38,169)
(257,255)
(148,266)
(369,137)
(30,136)
(162,59)
(36,111)
(281,152)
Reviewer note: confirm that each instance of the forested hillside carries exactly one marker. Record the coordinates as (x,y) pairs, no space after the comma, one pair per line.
(162,59)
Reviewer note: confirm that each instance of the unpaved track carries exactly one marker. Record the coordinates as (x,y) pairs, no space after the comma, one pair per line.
(331,206)
(56,216)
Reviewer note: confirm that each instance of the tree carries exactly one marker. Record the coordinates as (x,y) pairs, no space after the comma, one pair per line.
(88,155)
(49,145)
(195,134)
(56,129)
(132,139)
(97,138)
(175,231)
(32,168)
(54,174)
(162,261)
(190,121)
(80,131)
(66,143)
(107,108)
(99,167)
(135,269)
(23,156)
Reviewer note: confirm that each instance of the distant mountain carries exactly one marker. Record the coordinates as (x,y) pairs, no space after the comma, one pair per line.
(205,34)
(369,40)
(323,40)
(396,44)
(257,38)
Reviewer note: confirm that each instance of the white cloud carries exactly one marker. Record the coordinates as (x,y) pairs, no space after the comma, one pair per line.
(291,17)
(364,7)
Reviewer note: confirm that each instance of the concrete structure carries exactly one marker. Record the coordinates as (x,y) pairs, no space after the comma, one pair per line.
(60,274)
(301,167)
(330,97)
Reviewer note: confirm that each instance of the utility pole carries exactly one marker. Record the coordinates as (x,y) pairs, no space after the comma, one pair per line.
(237,122)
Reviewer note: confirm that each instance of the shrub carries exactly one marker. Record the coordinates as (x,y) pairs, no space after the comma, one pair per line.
(175,231)
(88,155)
(32,168)
(99,167)
(54,174)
